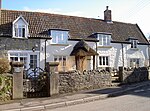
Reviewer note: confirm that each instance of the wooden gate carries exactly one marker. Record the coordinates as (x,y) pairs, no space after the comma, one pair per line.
(35,83)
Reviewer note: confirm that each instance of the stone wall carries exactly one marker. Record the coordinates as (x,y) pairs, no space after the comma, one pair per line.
(75,81)
(3,54)
(134,75)
(18,44)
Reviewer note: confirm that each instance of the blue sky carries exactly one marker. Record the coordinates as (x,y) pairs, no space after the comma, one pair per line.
(129,11)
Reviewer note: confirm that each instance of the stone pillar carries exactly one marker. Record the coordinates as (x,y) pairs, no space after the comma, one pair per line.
(17,70)
(121,72)
(53,81)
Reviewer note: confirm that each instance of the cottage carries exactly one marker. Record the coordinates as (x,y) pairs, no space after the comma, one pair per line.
(35,38)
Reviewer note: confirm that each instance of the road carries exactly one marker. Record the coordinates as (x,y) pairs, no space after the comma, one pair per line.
(137,100)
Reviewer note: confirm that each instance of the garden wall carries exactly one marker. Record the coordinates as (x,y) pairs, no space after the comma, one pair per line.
(75,81)
(134,75)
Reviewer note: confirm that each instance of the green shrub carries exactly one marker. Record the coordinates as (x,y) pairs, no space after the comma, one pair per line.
(5,87)
(4,65)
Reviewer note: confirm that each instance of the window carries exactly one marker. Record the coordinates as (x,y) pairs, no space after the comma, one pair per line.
(134,62)
(19,57)
(134,43)
(20,31)
(103,60)
(104,39)
(62,62)
(29,59)
(59,36)
(33,61)
(20,28)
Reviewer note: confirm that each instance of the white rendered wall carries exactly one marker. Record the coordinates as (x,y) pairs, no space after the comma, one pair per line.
(56,50)
(114,53)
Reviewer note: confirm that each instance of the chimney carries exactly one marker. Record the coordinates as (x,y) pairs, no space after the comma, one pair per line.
(0,4)
(107,15)
(0,10)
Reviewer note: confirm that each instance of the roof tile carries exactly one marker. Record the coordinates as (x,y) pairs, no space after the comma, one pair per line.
(79,27)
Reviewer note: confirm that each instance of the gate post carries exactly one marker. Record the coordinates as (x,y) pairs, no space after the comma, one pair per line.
(53,81)
(17,70)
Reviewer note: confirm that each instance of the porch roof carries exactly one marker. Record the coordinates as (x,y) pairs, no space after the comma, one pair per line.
(83,49)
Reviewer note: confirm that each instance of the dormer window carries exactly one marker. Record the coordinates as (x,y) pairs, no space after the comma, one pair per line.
(59,36)
(20,28)
(104,39)
(134,42)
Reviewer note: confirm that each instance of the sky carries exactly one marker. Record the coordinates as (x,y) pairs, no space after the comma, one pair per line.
(128,11)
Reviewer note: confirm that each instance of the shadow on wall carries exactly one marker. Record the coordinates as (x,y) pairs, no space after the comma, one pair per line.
(134,75)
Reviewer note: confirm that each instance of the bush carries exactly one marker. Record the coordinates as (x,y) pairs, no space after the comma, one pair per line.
(5,87)
(4,65)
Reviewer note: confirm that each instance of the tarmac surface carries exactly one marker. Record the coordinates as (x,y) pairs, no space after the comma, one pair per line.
(40,104)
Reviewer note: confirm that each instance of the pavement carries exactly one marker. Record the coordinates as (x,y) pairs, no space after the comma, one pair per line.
(41,104)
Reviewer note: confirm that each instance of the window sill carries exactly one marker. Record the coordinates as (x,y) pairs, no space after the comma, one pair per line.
(59,44)
(104,46)
(20,37)
(103,66)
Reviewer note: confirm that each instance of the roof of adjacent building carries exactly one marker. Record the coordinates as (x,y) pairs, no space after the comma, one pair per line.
(79,27)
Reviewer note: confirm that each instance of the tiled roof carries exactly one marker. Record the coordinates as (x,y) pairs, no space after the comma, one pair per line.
(79,27)
(83,49)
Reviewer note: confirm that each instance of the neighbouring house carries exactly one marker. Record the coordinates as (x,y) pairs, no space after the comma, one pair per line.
(75,42)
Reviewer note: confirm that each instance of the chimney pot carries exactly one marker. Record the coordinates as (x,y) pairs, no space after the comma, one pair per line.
(107,7)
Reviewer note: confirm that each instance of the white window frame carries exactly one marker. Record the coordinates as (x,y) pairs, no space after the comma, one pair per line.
(134,44)
(19,30)
(61,63)
(136,60)
(19,56)
(19,27)
(22,53)
(104,61)
(104,39)
(35,61)
(59,36)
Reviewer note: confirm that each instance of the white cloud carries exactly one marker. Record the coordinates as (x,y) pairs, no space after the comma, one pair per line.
(55,11)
